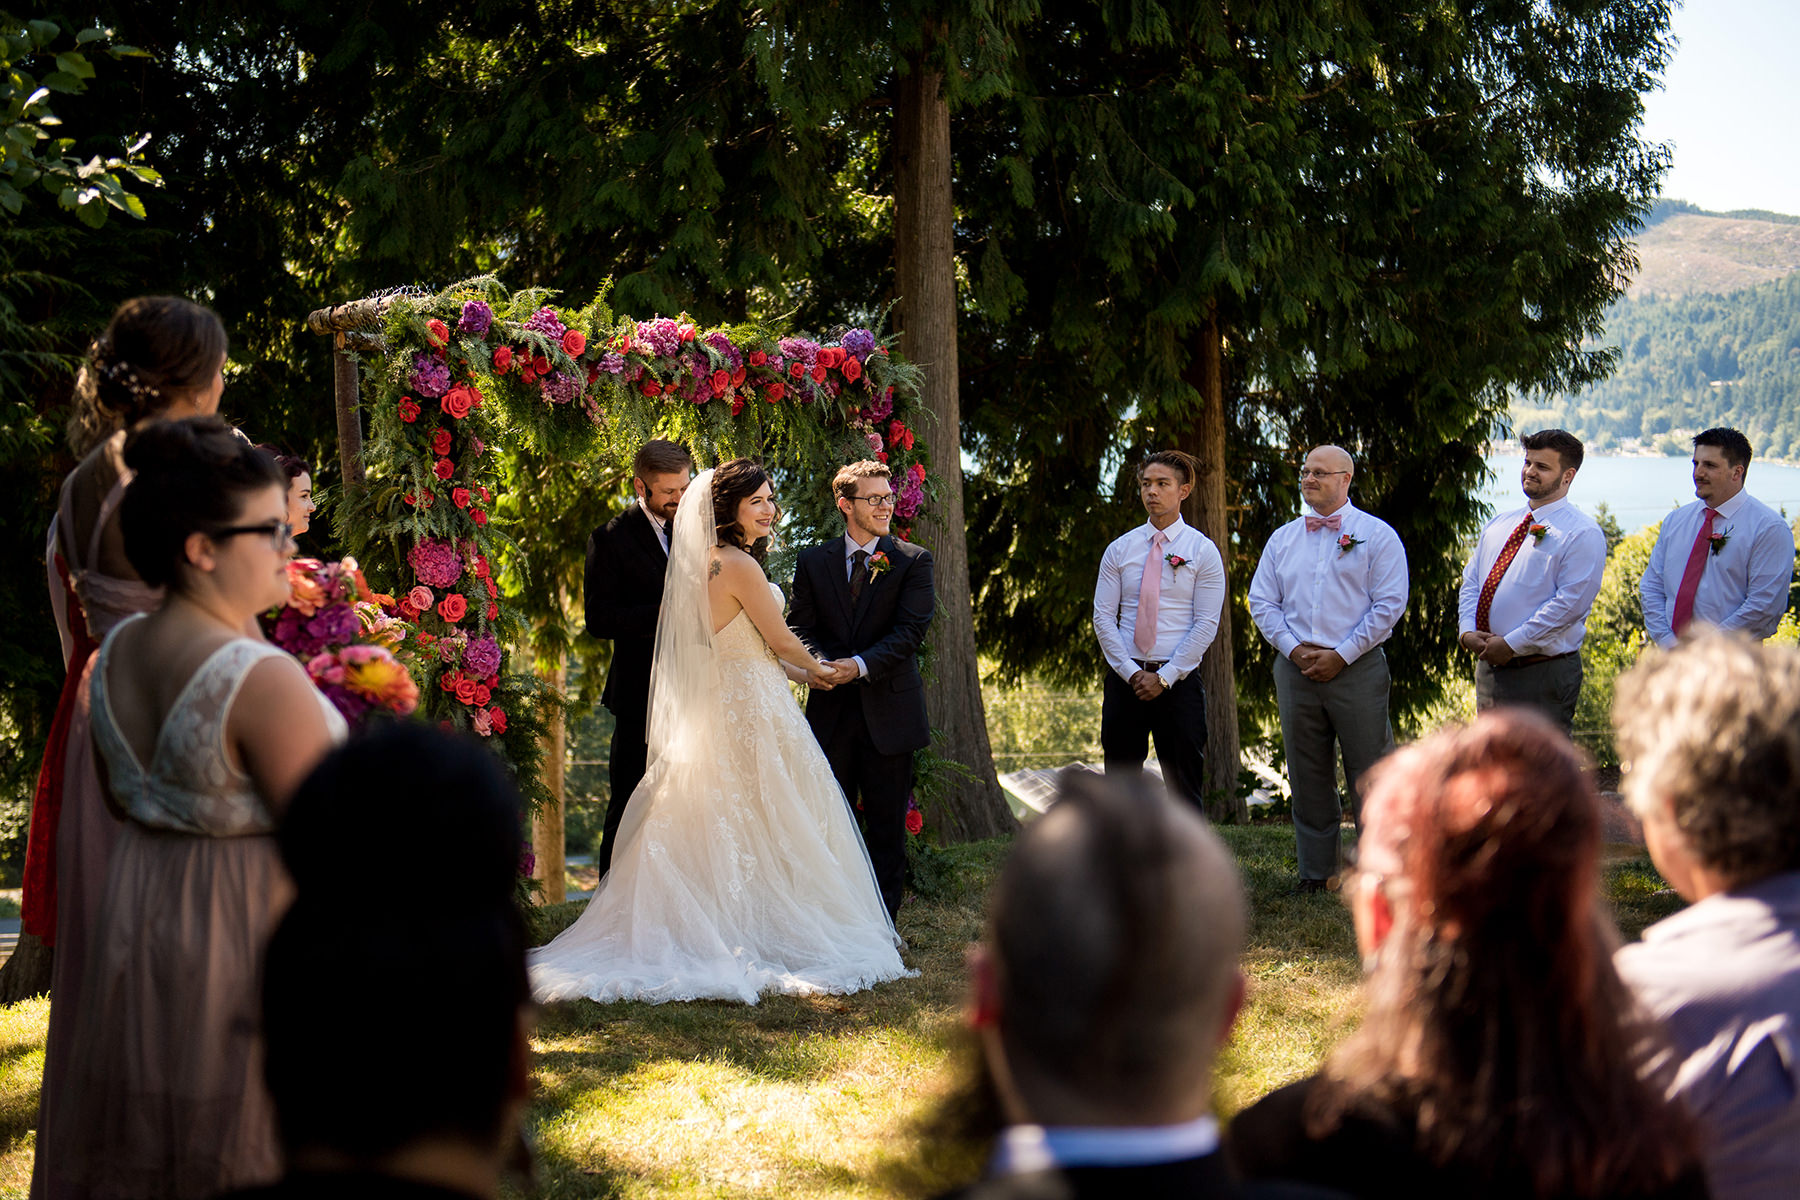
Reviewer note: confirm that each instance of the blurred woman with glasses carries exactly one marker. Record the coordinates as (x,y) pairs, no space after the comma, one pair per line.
(202,733)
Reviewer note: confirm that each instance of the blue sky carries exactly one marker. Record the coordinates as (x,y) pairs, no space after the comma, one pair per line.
(1728,105)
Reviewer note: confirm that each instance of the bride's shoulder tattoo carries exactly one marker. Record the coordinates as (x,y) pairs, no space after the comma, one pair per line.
(713,571)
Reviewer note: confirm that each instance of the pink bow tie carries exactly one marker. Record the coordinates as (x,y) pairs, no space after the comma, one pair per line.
(1334,523)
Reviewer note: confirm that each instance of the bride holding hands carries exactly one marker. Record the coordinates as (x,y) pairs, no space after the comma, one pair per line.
(739,869)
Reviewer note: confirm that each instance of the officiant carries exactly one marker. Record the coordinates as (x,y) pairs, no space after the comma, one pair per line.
(623,590)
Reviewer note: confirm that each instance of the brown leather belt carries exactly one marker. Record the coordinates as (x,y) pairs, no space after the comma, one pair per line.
(1532,660)
(1153,666)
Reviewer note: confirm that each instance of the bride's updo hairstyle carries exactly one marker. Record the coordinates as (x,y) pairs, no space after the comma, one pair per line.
(732,484)
(155,350)
(192,476)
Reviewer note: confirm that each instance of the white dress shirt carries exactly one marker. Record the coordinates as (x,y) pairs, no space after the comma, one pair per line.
(851,546)
(1187,610)
(656,525)
(1744,585)
(1021,1149)
(1308,588)
(1542,603)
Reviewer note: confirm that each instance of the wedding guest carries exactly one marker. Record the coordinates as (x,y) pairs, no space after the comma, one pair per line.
(623,591)
(1103,985)
(1499,1052)
(1725,559)
(300,488)
(1154,626)
(363,1113)
(1529,586)
(160,358)
(1712,732)
(1327,592)
(203,733)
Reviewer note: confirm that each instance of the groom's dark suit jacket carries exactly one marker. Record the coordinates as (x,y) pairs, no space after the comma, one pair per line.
(623,590)
(884,626)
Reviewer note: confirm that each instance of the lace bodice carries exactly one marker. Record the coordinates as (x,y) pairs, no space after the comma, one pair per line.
(741,642)
(189,785)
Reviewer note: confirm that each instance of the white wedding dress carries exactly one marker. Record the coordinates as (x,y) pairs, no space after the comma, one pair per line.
(739,870)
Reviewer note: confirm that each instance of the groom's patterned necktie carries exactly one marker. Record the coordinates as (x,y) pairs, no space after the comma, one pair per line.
(859,574)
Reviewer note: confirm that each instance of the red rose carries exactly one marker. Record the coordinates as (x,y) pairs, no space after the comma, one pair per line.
(651,387)
(429,497)
(459,497)
(720,381)
(453,607)
(574,342)
(502,359)
(687,333)
(480,517)
(458,401)
(540,364)
(737,377)
(406,610)
(465,691)
(440,442)
(481,562)
(497,719)
(593,373)
(449,679)
(796,369)
(881,456)
(493,680)
(409,411)
(915,822)
(775,391)
(493,611)
(838,355)
(474,400)
(485,494)
(482,694)
(436,332)
(896,430)
(758,358)
(908,440)
(410,498)
(491,589)
(853,370)
(818,374)
(444,468)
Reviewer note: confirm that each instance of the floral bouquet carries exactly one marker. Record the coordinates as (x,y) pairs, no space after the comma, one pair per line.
(345,638)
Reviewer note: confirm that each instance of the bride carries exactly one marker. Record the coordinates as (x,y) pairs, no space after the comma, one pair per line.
(739,869)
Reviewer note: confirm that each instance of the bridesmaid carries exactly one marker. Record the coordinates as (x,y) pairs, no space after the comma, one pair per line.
(203,733)
(300,488)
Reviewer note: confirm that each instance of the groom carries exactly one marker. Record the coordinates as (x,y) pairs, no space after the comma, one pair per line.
(863,602)
(623,588)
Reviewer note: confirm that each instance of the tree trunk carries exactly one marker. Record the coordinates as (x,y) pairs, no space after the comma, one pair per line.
(972,806)
(1207,512)
(27,971)
(547,822)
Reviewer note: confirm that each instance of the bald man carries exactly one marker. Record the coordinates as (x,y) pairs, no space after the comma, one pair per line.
(1327,592)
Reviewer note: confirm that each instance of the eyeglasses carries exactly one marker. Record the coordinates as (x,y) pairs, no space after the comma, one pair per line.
(885,500)
(279,533)
(1311,474)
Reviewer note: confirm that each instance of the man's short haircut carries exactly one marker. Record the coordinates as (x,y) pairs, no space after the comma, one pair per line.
(850,475)
(1564,444)
(1713,728)
(1178,461)
(659,457)
(1732,444)
(1115,929)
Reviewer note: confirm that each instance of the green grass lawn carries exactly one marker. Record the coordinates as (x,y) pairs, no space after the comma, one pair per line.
(832,1096)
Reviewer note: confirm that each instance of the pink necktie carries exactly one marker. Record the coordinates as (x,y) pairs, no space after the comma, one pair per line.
(1149,592)
(1334,522)
(1683,612)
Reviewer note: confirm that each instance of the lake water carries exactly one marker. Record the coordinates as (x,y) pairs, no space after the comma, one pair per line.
(1641,491)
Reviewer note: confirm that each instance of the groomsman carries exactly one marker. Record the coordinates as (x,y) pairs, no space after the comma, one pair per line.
(1527,591)
(863,602)
(623,590)
(1327,592)
(1156,608)
(1725,559)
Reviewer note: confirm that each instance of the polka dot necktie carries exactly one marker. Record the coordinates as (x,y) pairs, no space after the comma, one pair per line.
(1508,552)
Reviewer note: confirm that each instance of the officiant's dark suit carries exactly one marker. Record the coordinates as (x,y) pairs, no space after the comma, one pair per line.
(870,727)
(623,590)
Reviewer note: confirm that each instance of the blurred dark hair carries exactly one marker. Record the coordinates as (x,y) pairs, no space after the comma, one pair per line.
(154,349)
(1732,444)
(732,482)
(1496,1024)
(292,465)
(191,476)
(1178,461)
(391,1019)
(661,457)
(1564,444)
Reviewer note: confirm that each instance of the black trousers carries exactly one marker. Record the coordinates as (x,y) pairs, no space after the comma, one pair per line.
(882,782)
(624,770)
(1176,719)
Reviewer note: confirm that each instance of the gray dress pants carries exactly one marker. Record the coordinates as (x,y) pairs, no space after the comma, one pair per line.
(1318,721)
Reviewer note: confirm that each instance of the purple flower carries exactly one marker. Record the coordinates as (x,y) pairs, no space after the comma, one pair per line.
(801,348)
(476,317)
(482,657)
(728,352)
(883,408)
(527,860)
(347,702)
(435,563)
(333,625)
(559,388)
(859,342)
(912,499)
(663,334)
(450,649)
(430,377)
(612,363)
(545,321)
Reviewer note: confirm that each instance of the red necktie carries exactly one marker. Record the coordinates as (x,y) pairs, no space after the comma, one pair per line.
(1484,606)
(1683,612)
(1143,634)
(1334,522)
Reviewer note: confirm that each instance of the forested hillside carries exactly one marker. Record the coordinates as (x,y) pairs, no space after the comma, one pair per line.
(1690,357)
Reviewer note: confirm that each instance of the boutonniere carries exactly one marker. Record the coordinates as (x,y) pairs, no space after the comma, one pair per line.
(878,562)
(1537,531)
(1346,543)
(1719,539)
(1175,561)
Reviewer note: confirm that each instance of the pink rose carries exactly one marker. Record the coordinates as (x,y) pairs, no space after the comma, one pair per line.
(421,598)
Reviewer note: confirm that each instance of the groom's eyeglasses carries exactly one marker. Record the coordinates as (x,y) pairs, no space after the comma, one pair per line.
(279,533)
(885,500)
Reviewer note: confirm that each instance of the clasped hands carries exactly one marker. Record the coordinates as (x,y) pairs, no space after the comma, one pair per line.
(1318,663)
(1147,684)
(1490,648)
(832,672)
